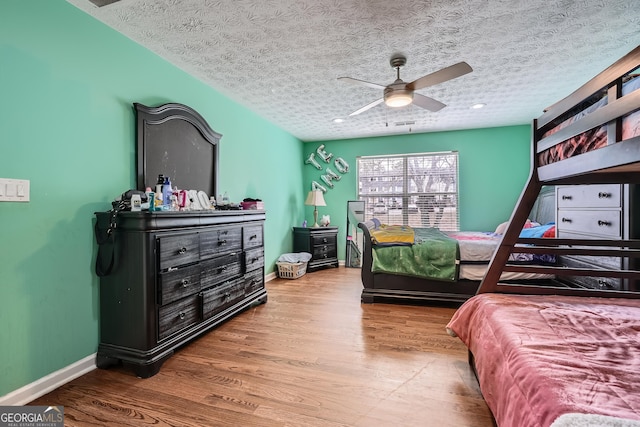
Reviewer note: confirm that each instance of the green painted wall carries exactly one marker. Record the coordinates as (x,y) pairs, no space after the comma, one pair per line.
(494,166)
(66,123)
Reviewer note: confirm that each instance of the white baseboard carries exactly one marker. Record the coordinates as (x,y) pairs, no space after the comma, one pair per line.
(48,383)
(44,385)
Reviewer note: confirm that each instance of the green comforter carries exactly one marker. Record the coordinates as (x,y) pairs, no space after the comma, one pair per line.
(434,255)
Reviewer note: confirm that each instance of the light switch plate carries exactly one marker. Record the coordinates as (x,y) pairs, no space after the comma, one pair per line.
(14,190)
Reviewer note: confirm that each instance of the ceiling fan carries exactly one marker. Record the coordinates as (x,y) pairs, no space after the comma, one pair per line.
(400,94)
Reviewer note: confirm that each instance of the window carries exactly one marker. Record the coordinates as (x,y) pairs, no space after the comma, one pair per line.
(420,190)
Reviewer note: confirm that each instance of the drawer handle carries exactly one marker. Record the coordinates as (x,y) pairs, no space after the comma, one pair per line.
(222,269)
(567,197)
(604,223)
(324,240)
(255,236)
(182,316)
(182,251)
(185,283)
(603,195)
(324,256)
(254,259)
(566,220)
(222,242)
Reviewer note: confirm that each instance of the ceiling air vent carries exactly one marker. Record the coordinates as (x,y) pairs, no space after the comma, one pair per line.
(409,123)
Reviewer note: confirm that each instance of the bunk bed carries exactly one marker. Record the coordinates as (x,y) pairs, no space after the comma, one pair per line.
(567,355)
(407,276)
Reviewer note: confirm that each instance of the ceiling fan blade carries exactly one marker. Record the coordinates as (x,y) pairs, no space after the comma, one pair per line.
(451,72)
(361,82)
(366,107)
(427,103)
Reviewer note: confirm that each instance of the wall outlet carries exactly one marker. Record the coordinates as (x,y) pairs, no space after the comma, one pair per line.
(14,190)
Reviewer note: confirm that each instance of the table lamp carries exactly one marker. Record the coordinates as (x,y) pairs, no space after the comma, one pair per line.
(315,199)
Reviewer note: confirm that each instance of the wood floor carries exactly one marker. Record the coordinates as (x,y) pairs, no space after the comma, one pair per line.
(313,355)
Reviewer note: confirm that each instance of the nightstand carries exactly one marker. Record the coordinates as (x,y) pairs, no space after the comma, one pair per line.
(320,242)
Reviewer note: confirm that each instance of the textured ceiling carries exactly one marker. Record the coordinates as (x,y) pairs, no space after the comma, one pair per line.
(282,58)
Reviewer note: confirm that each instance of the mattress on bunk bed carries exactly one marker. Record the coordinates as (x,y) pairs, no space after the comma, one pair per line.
(594,138)
(539,357)
(451,255)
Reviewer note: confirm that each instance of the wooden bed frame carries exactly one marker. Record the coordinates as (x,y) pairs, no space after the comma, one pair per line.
(617,162)
(383,286)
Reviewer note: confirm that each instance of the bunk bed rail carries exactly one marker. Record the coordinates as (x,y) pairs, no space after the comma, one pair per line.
(604,115)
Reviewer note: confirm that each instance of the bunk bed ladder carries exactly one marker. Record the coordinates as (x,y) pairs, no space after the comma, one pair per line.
(511,235)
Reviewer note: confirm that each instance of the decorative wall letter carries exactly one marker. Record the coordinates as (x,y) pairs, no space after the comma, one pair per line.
(323,154)
(333,175)
(315,186)
(329,175)
(311,160)
(327,180)
(341,165)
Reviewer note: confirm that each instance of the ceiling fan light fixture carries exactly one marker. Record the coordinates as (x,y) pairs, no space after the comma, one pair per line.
(398,97)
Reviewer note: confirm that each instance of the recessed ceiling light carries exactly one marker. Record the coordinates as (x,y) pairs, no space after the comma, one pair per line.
(478,106)
(338,120)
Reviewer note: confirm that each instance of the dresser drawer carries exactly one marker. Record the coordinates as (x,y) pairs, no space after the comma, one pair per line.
(178,249)
(251,236)
(324,252)
(323,240)
(179,283)
(253,281)
(177,316)
(610,262)
(220,297)
(253,258)
(590,196)
(219,269)
(603,283)
(610,283)
(217,242)
(606,223)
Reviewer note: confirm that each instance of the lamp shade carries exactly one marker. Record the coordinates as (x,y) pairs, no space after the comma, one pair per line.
(315,198)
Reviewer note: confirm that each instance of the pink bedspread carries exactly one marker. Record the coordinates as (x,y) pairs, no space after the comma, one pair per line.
(539,357)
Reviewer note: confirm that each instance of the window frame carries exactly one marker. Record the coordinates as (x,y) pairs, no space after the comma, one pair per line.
(444,210)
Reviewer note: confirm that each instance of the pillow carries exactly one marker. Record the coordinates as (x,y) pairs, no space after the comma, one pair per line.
(392,234)
(538,231)
(503,227)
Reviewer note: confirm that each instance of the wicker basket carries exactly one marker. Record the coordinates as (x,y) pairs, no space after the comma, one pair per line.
(291,270)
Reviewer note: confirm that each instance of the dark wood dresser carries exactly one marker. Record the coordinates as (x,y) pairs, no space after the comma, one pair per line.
(175,276)
(320,242)
(605,211)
